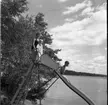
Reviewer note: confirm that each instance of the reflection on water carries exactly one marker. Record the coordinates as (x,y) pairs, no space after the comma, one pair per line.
(94,87)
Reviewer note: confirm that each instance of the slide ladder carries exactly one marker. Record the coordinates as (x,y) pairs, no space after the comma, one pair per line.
(17,97)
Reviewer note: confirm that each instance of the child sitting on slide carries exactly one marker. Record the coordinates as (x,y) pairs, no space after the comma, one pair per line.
(62,69)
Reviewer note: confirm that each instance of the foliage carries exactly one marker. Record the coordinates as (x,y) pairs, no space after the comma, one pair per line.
(10,9)
(17,33)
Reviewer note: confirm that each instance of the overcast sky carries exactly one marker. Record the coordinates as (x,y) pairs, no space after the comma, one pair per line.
(79,29)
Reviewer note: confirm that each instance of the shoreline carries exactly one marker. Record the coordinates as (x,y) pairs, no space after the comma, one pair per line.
(74,73)
(88,76)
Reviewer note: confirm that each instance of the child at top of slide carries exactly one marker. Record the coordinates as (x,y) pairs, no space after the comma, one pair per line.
(62,69)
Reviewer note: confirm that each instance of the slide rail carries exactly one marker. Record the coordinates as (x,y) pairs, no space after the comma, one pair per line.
(73,88)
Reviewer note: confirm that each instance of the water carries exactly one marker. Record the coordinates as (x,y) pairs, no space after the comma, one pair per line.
(94,87)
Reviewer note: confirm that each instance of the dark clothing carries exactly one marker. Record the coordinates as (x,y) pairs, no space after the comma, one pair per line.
(35,44)
(62,70)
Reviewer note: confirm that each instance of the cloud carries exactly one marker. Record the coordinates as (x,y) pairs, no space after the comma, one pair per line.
(39,6)
(62,0)
(80,40)
(96,65)
(105,48)
(104,6)
(88,11)
(90,30)
(77,7)
(69,19)
(100,59)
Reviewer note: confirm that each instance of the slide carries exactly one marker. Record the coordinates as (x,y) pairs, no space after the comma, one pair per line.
(46,60)
(73,88)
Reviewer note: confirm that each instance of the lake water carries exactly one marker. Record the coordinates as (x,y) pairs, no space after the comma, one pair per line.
(94,87)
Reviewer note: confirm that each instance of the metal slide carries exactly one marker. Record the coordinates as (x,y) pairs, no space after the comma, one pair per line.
(46,60)
(73,88)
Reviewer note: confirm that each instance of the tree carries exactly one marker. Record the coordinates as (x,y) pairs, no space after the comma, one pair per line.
(10,10)
(10,32)
(17,33)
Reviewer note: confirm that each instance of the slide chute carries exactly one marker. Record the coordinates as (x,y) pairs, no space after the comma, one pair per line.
(46,60)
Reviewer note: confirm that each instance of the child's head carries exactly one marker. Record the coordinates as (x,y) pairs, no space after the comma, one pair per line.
(66,63)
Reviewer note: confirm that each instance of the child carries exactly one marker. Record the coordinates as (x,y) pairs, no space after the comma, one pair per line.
(62,70)
(34,50)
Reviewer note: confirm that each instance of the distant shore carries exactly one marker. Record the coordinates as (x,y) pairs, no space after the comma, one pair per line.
(74,73)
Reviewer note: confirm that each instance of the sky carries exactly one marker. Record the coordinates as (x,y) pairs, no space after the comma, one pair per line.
(79,30)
